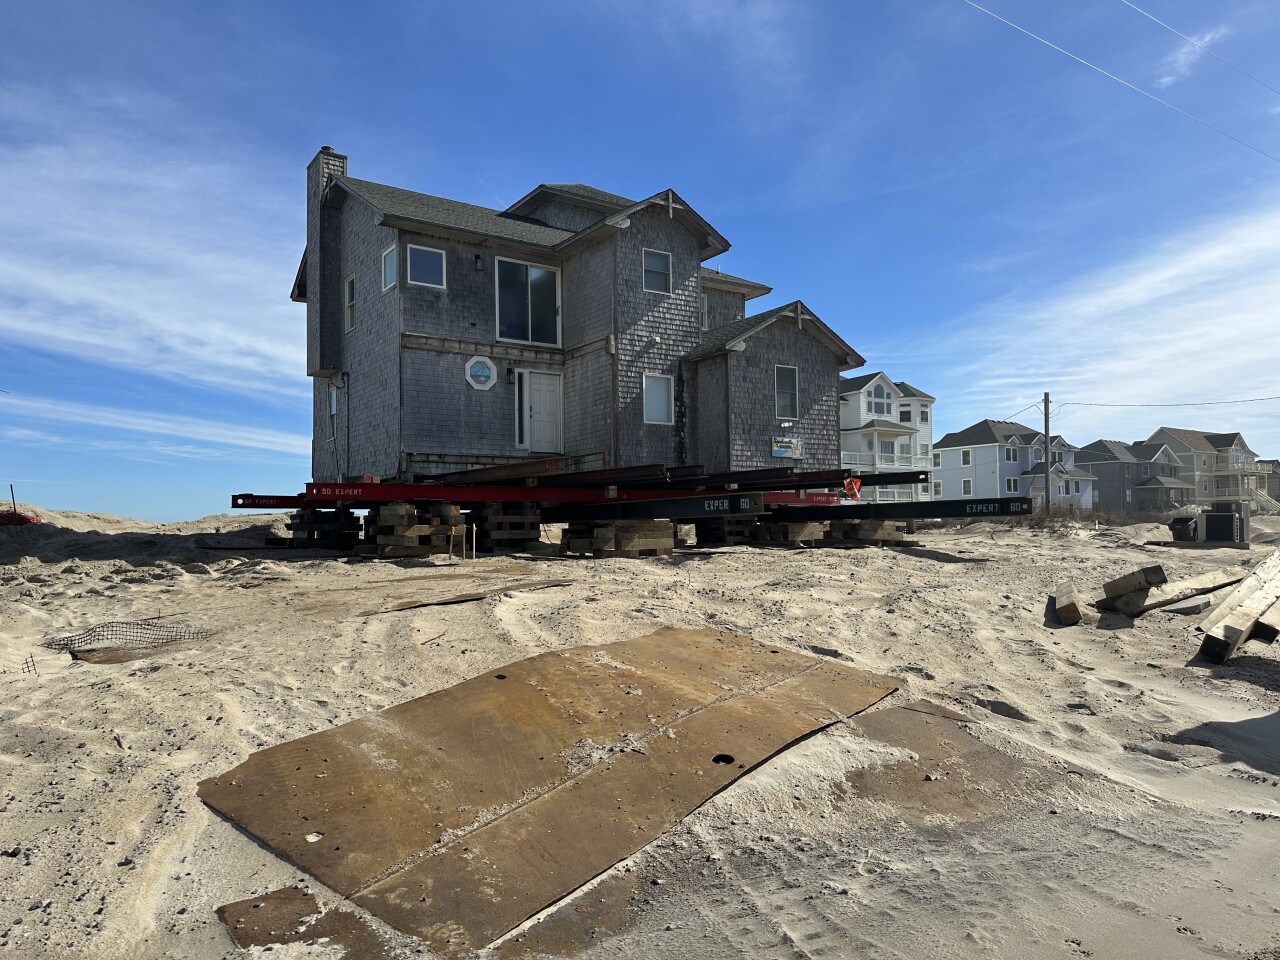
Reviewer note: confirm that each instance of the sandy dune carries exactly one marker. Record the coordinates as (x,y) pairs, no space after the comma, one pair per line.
(1115,798)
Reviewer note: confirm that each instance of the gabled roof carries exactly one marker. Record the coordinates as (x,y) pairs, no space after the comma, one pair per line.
(852,384)
(421,208)
(1203,442)
(1103,451)
(989,431)
(712,242)
(908,390)
(1165,482)
(580,193)
(727,281)
(730,336)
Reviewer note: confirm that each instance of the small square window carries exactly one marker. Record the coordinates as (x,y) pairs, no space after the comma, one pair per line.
(1010,484)
(786,397)
(1011,454)
(966,458)
(426,267)
(924,414)
(966,487)
(388,269)
(659,399)
(904,414)
(657,271)
(349,304)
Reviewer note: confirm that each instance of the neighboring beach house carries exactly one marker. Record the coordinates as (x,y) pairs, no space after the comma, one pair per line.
(443,335)
(1135,477)
(1220,466)
(1272,477)
(886,426)
(1000,458)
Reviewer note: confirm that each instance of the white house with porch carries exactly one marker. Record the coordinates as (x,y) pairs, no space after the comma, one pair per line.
(886,426)
(999,458)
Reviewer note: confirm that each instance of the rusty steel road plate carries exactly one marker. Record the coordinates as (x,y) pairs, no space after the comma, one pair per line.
(459,815)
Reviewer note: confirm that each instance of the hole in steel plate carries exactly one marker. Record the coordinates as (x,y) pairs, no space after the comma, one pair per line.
(722,758)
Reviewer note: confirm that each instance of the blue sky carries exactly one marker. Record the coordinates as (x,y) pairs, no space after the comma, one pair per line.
(975,212)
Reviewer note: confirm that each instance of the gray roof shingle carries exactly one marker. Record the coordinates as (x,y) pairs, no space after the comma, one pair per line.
(588,192)
(908,390)
(453,214)
(988,431)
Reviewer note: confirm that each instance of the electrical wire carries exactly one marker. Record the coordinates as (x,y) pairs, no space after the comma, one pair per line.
(1023,410)
(1136,89)
(1201,46)
(1201,403)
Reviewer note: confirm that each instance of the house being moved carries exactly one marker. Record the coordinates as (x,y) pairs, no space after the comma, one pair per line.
(443,335)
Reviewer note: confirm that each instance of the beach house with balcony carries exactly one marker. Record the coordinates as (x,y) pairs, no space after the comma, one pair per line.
(1220,466)
(1000,458)
(1135,477)
(886,426)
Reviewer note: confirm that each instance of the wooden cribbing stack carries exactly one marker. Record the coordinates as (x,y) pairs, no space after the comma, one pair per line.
(324,529)
(506,526)
(619,538)
(865,532)
(409,530)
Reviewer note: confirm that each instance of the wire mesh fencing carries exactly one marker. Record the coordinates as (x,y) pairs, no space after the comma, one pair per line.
(126,634)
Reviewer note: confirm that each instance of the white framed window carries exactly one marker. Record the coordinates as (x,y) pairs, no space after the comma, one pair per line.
(966,458)
(937,460)
(904,449)
(1010,484)
(659,399)
(1011,454)
(904,414)
(349,304)
(924,414)
(924,449)
(702,312)
(966,487)
(426,267)
(1146,469)
(924,489)
(786,392)
(388,268)
(657,271)
(528,302)
(886,448)
(937,488)
(1077,483)
(881,402)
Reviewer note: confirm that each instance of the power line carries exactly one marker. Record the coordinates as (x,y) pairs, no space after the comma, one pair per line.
(1202,403)
(1149,96)
(1024,410)
(1201,46)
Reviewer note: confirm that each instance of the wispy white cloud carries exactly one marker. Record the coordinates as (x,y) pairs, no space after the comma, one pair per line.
(1193,319)
(40,410)
(1177,65)
(132,237)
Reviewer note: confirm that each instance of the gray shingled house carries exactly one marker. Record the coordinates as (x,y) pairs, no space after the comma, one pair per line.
(1135,477)
(443,335)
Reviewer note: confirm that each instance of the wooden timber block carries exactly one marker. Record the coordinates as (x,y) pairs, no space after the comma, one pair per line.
(1189,606)
(1137,580)
(1066,605)
(1267,626)
(418,551)
(1236,618)
(1139,602)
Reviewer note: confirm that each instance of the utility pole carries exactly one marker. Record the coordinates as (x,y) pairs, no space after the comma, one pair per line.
(1047,474)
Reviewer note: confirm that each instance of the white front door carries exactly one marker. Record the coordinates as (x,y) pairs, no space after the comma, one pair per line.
(544,413)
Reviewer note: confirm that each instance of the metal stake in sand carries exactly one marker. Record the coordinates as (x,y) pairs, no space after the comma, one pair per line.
(13,499)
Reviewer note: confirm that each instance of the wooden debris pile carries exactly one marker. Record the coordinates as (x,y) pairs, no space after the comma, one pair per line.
(1250,612)
(1142,590)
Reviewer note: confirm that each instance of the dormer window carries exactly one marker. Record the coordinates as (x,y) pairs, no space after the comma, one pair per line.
(657,271)
(880,401)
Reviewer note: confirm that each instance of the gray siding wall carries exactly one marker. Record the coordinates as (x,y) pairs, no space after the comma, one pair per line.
(723,306)
(709,416)
(587,283)
(366,428)
(467,308)
(654,331)
(445,414)
(566,216)
(753,414)
(588,404)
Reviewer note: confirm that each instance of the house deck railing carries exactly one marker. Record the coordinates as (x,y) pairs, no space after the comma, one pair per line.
(884,461)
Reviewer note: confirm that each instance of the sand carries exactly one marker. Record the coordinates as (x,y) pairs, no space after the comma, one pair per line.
(1114,797)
